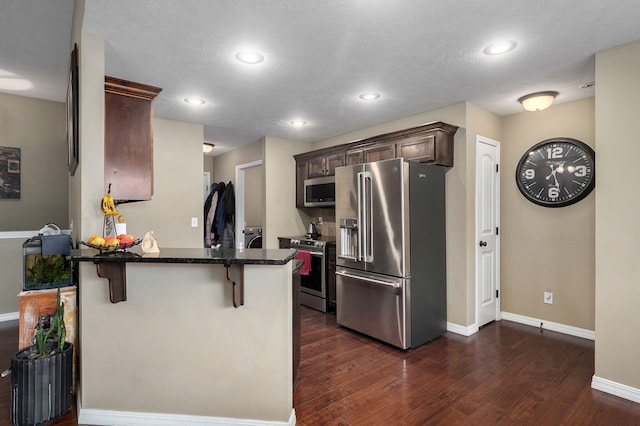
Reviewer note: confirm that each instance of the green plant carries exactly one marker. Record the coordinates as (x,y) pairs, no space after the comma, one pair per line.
(56,331)
(48,269)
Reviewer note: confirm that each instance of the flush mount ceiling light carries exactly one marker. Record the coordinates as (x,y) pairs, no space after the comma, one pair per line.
(248,57)
(369,96)
(192,100)
(538,101)
(500,47)
(207,147)
(298,123)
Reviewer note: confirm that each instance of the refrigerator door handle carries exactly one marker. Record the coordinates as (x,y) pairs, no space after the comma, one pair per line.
(394,284)
(360,219)
(365,237)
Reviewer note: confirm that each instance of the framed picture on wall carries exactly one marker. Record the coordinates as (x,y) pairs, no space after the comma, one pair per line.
(72,112)
(9,172)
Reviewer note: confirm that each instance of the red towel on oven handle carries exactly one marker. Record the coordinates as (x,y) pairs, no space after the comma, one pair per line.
(305,256)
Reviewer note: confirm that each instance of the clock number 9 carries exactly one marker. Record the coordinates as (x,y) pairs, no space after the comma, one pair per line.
(530,173)
(554,192)
(555,152)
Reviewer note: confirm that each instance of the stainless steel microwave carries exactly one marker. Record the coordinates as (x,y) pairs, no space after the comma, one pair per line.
(320,192)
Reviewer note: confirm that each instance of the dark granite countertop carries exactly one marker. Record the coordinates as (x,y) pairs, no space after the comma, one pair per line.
(220,256)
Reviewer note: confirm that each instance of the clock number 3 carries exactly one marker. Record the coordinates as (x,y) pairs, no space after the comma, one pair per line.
(554,152)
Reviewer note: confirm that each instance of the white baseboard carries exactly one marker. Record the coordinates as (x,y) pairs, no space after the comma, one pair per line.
(128,418)
(549,325)
(462,329)
(9,316)
(614,388)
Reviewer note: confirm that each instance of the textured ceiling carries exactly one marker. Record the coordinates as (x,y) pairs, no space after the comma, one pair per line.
(320,55)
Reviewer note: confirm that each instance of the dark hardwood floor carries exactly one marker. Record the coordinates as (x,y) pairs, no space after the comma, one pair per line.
(507,373)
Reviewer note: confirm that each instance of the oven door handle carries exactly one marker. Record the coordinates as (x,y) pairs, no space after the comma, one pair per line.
(394,284)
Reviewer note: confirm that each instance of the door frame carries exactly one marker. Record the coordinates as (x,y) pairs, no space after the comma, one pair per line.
(239,194)
(496,145)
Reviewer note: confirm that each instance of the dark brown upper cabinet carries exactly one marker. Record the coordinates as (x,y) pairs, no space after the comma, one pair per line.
(430,143)
(128,139)
(325,165)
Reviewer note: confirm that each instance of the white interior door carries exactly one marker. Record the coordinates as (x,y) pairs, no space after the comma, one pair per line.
(487,230)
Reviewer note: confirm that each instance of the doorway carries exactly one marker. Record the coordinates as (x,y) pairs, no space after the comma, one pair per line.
(240,192)
(487,230)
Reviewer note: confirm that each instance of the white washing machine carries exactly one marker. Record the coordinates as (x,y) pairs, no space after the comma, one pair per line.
(253,237)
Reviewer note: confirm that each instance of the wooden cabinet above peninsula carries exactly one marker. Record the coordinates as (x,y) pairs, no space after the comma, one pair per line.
(128,139)
(430,143)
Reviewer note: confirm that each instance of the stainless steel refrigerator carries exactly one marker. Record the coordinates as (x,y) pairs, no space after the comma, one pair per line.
(391,260)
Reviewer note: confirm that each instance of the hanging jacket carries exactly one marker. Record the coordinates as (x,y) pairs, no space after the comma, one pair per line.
(210,207)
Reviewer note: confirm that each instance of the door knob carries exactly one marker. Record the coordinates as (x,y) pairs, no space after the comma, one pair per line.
(483,243)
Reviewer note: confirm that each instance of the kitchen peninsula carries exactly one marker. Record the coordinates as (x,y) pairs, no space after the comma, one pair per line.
(190,335)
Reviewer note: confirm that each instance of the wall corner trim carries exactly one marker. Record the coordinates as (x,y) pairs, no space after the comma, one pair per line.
(462,329)
(550,325)
(615,388)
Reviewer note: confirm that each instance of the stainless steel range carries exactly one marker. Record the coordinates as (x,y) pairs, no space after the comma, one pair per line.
(313,287)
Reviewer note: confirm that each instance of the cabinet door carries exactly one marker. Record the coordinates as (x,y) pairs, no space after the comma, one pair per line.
(333,161)
(128,148)
(354,157)
(316,167)
(421,148)
(383,151)
(128,139)
(301,175)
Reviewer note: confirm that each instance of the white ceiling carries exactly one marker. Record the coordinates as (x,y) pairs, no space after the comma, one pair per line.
(319,56)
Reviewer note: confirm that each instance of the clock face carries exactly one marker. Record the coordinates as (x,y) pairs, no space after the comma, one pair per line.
(556,172)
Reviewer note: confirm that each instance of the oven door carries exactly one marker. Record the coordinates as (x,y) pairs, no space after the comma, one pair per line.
(313,287)
(314,283)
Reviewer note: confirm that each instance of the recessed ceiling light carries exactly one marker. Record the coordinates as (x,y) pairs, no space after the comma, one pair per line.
(15,83)
(500,47)
(298,123)
(249,57)
(369,96)
(192,100)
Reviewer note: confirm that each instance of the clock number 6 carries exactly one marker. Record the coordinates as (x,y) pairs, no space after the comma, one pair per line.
(554,192)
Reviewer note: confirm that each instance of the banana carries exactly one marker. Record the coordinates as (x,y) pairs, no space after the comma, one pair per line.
(107,204)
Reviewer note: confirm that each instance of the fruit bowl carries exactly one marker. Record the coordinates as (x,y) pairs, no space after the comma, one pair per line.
(112,248)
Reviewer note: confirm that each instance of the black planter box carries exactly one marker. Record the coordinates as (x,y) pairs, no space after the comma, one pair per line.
(41,389)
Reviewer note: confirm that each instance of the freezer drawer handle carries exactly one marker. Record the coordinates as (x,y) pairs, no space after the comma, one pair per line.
(371,280)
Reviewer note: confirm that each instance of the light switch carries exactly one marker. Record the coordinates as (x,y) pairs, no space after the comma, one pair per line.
(194,222)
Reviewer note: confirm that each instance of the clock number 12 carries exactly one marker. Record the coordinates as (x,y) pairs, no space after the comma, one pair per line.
(554,152)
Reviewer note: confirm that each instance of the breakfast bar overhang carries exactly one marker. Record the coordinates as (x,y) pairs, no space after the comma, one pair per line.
(180,345)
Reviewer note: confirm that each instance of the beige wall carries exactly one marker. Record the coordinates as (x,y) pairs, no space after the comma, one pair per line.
(617,215)
(12,274)
(281,216)
(38,128)
(547,248)
(254,196)
(177,195)
(224,165)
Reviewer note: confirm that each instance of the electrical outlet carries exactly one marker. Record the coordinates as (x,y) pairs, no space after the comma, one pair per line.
(548,297)
(194,222)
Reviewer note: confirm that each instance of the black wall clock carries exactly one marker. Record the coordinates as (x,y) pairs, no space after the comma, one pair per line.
(557,172)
